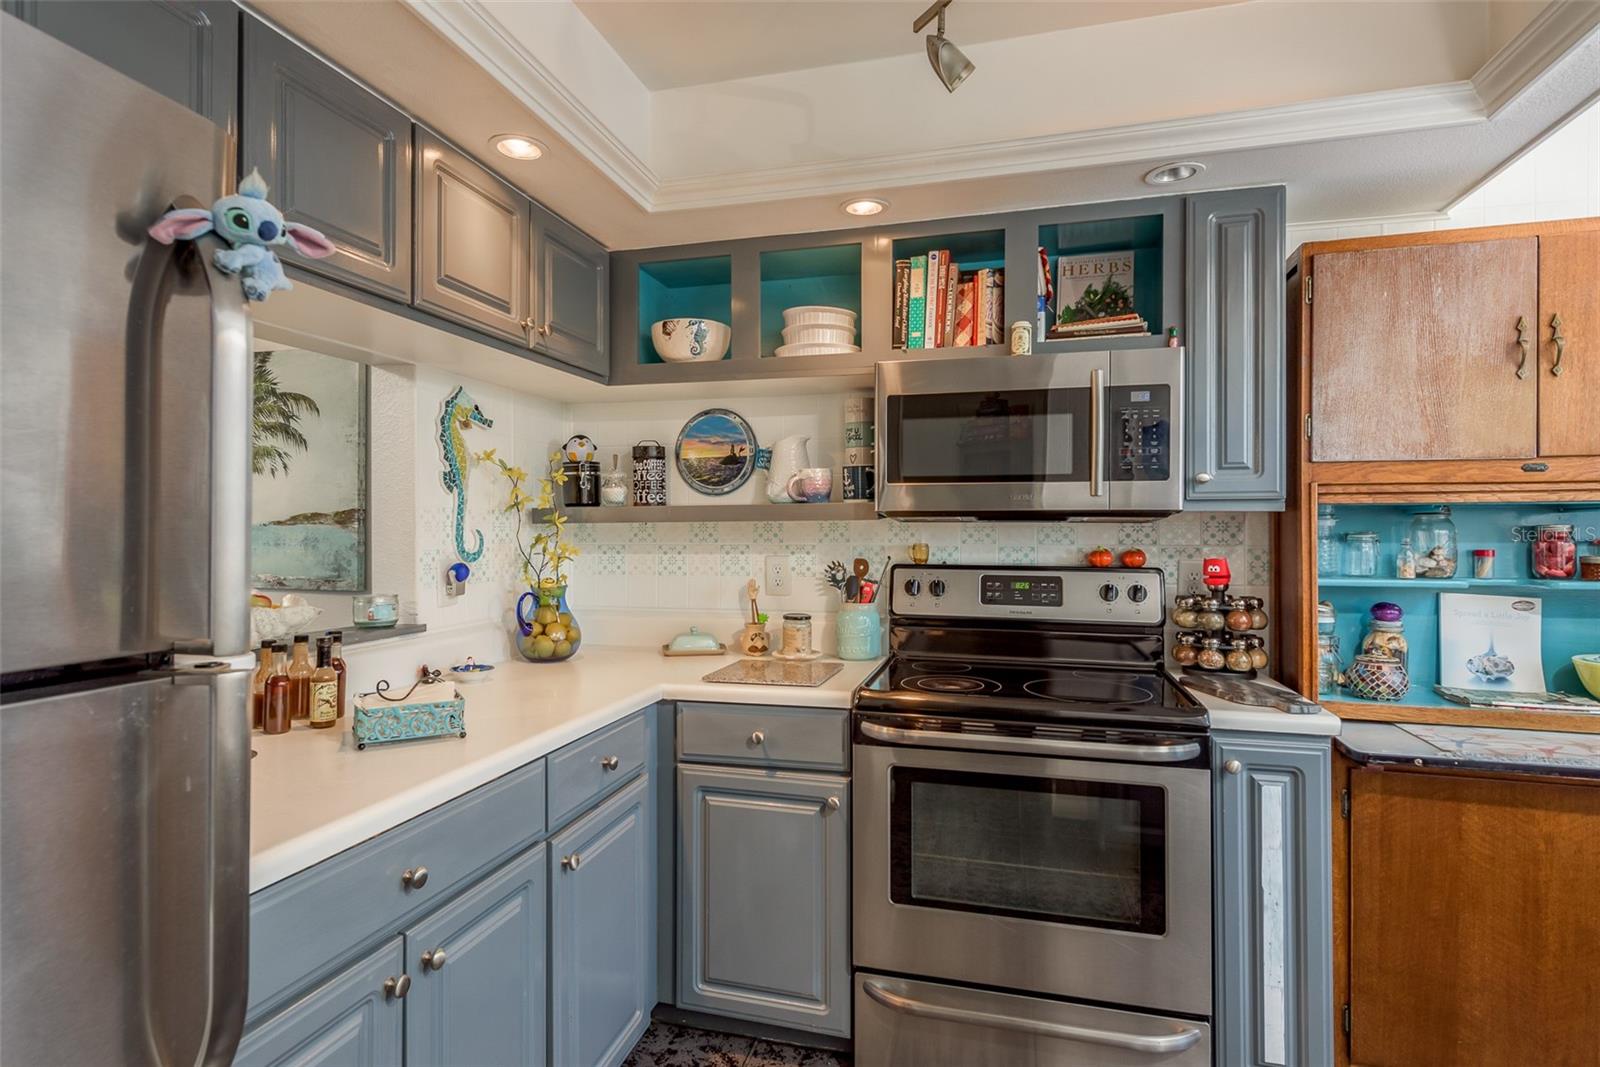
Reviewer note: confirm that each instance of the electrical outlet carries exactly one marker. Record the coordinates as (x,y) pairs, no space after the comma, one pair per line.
(777,576)
(1191,576)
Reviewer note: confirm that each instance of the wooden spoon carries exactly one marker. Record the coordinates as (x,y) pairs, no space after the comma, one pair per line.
(750,588)
(862,567)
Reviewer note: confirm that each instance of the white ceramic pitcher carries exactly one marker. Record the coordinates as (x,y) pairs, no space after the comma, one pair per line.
(789,457)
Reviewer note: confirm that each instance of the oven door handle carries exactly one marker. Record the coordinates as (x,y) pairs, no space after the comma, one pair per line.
(1174,752)
(1185,1037)
(1096,432)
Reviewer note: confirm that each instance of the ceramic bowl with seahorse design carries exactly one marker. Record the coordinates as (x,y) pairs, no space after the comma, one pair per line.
(690,340)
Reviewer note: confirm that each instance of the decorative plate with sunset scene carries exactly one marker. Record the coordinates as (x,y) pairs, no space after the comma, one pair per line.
(716,451)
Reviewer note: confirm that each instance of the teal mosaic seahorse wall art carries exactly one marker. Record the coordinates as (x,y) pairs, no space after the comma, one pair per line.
(460,413)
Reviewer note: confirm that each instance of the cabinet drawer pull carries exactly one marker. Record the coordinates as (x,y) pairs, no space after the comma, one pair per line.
(1561,343)
(1203,477)
(832,803)
(609,763)
(571,862)
(1233,766)
(1522,343)
(414,877)
(758,738)
(397,988)
(433,959)
(544,331)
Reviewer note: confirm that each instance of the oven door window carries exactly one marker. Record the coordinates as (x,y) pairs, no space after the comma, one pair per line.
(1084,853)
(1010,435)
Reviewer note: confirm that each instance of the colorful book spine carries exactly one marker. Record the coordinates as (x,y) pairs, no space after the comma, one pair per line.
(902,284)
(933,293)
(917,303)
(966,312)
(952,287)
(997,307)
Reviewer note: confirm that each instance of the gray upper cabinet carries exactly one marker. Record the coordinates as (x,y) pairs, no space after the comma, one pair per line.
(1236,350)
(336,156)
(602,937)
(478,973)
(472,242)
(1273,901)
(185,49)
(571,281)
(355,1017)
(764,896)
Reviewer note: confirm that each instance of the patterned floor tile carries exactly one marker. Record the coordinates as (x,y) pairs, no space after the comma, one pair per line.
(771,1054)
(680,1046)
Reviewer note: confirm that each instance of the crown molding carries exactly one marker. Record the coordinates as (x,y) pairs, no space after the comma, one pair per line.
(1560,27)
(479,35)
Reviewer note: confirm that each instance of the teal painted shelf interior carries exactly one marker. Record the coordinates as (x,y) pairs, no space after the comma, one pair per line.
(1570,608)
(978,250)
(684,289)
(795,277)
(1143,234)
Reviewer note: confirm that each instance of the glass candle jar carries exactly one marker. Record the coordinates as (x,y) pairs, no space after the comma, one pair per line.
(1555,553)
(796,633)
(1361,554)
(1433,539)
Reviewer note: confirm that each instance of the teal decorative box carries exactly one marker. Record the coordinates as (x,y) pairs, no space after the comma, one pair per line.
(429,709)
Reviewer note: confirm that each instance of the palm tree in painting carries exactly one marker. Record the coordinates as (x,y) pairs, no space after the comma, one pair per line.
(276,414)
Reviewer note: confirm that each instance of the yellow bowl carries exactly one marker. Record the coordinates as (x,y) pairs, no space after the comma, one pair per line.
(1588,668)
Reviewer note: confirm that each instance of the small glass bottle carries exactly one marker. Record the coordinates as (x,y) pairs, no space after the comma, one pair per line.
(1238,617)
(613,486)
(1238,658)
(1210,616)
(275,712)
(1184,616)
(323,710)
(1258,612)
(1327,545)
(1405,560)
(1483,563)
(258,683)
(1361,554)
(1211,657)
(1185,652)
(336,661)
(300,669)
(1258,654)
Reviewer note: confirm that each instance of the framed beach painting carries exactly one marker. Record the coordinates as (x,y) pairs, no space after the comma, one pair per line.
(716,451)
(309,473)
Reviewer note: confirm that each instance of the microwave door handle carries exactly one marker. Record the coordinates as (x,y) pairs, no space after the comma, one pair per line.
(1185,1037)
(1096,432)
(1032,746)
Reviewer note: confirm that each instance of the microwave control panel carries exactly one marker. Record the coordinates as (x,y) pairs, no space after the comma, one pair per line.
(1139,419)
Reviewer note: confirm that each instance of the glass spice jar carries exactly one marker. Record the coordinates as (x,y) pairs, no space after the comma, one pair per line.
(1210,616)
(1555,553)
(1238,617)
(1258,612)
(1185,652)
(1405,560)
(1433,538)
(1211,657)
(1483,563)
(1361,554)
(1589,568)
(1238,658)
(1184,616)
(1258,654)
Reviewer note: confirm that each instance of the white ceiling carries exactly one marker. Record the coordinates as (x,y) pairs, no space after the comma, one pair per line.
(673,43)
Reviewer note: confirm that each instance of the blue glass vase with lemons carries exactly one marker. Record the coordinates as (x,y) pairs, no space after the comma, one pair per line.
(546,630)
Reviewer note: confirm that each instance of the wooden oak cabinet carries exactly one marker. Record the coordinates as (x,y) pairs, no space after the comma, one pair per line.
(1569,344)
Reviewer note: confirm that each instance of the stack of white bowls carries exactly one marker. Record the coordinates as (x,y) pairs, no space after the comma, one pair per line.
(814,330)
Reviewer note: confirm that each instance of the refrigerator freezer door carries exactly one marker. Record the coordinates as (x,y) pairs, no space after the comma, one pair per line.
(124,867)
(121,386)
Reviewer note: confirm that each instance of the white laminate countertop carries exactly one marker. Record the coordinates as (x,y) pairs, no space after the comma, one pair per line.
(313,794)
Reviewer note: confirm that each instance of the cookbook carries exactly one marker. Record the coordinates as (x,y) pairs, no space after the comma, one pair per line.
(1491,642)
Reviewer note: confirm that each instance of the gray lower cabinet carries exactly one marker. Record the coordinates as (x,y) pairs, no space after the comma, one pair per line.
(478,973)
(1236,351)
(1274,1005)
(337,157)
(355,1017)
(602,932)
(187,50)
(764,896)
(571,281)
(472,242)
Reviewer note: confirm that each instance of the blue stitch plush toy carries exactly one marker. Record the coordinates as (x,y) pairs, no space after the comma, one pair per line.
(252,226)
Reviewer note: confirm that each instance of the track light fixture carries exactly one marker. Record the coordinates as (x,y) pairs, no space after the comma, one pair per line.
(949,62)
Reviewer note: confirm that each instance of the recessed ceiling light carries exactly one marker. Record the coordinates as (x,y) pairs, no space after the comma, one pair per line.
(1168,173)
(517,146)
(865,205)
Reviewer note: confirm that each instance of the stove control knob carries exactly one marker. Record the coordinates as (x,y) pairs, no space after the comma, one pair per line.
(1108,592)
(913,587)
(936,587)
(1137,593)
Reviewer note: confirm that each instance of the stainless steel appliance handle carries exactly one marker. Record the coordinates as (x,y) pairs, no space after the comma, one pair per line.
(1032,746)
(1096,431)
(1177,1041)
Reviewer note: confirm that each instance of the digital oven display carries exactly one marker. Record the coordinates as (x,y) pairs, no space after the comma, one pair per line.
(1011,589)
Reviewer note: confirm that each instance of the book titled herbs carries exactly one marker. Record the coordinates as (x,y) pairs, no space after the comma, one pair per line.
(1095,292)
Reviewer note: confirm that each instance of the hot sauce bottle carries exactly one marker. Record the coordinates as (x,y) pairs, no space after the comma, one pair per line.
(336,661)
(258,683)
(324,699)
(275,709)
(300,678)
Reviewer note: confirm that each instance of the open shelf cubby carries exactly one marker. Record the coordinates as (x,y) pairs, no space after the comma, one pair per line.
(796,277)
(683,288)
(970,251)
(1144,236)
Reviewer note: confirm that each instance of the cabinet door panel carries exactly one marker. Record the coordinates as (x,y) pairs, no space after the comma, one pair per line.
(187,50)
(764,891)
(1414,352)
(572,283)
(602,904)
(337,158)
(1235,389)
(472,242)
(485,1003)
(1569,287)
(347,1021)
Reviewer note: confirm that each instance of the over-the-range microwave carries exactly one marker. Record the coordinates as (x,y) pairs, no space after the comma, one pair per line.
(1042,436)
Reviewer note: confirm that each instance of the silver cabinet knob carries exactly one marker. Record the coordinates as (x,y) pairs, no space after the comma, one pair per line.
(1233,766)
(832,803)
(758,738)
(414,877)
(571,862)
(433,959)
(397,988)
(609,763)
(1203,477)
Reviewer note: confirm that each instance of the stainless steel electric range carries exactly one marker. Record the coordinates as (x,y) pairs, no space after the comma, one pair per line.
(1032,848)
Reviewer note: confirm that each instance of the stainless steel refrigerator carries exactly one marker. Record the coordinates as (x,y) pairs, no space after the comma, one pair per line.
(125,389)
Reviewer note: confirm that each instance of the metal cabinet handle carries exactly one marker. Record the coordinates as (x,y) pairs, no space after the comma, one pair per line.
(1203,477)
(1561,343)
(571,862)
(1233,766)
(433,959)
(397,988)
(1160,752)
(544,330)
(526,324)
(1096,397)
(609,763)
(1522,342)
(832,803)
(414,877)
(758,738)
